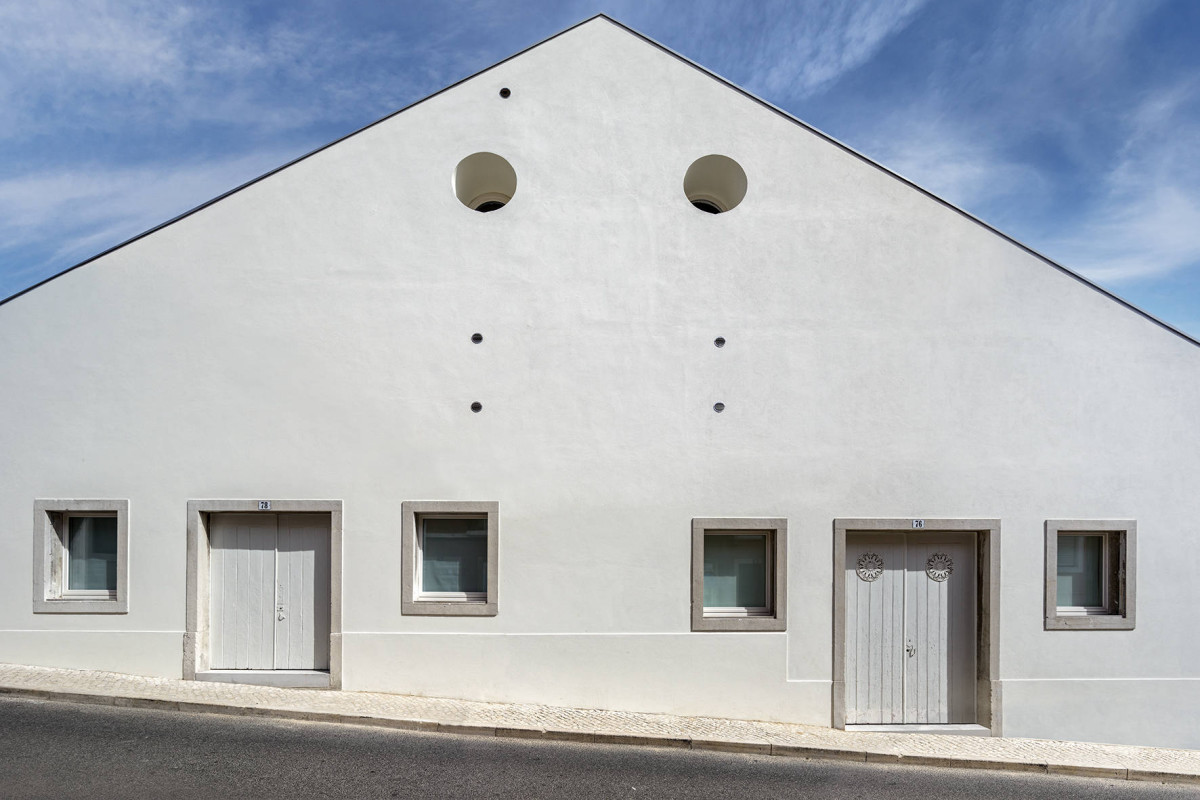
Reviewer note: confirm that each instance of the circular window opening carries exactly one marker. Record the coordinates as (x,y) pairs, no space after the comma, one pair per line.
(715,184)
(476,337)
(718,407)
(477,407)
(484,182)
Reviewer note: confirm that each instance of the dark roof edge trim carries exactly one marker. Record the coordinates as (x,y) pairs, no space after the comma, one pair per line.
(310,153)
(1068,271)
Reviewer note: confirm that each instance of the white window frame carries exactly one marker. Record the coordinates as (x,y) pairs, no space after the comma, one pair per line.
(414,600)
(67,592)
(51,564)
(768,568)
(441,597)
(773,617)
(1118,582)
(1105,580)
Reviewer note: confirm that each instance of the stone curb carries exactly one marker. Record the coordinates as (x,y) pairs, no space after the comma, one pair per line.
(816,753)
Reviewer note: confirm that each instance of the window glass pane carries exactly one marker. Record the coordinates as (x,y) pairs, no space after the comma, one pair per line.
(1080,570)
(92,553)
(735,570)
(454,555)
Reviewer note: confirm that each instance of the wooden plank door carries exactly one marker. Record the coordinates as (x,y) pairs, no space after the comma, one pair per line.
(302,592)
(910,628)
(939,623)
(242,608)
(875,581)
(269,597)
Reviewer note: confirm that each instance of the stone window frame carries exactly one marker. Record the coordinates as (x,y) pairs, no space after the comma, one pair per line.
(776,528)
(1121,578)
(411,512)
(49,551)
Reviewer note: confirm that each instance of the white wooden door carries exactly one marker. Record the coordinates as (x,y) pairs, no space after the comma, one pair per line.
(302,596)
(939,675)
(875,629)
(269,591)
(910,628)
(242,567)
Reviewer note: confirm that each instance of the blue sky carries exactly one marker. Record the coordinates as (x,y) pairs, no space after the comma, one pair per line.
(1072,125)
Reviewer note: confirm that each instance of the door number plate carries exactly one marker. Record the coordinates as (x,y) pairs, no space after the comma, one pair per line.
(918,523)
(264,505)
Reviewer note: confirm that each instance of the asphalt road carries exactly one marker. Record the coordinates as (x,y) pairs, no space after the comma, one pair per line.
(66,750)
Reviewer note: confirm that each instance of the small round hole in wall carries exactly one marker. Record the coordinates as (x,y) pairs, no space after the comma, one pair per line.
(484,182)
(715,184)
(718,407)
(719,341)
(505,92)
(476,337)
(477,407)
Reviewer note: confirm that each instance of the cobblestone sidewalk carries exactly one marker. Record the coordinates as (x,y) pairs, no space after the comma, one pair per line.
(610,727)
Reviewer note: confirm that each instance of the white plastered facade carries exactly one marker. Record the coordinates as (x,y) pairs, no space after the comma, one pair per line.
(308,337)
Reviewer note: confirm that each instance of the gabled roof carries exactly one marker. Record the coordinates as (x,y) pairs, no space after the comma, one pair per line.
(726,82)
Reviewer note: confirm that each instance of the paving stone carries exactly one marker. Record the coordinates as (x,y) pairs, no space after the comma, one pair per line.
(527,720)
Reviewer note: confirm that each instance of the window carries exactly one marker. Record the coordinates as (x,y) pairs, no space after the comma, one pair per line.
(1090,574)
(450,558)
(90,557)
(739,568)
(80,556)
(1082,574)
(737,574)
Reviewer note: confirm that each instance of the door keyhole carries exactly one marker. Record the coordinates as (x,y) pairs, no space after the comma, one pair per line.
(909,647)
(279,613)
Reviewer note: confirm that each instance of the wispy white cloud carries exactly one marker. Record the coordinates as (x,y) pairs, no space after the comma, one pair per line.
(1055,69)
(1041,129)
(77,61)
(1078,40)
(822,42)
(953,160)
(1147,221)
(128,42)
(784,50)
(86,210)
(111,109)
(1150,235)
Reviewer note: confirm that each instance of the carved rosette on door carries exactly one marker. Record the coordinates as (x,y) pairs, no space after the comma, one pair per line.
(870,567)
(939,566)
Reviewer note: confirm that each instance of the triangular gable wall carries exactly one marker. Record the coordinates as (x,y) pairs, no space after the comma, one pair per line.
(702,69)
